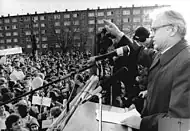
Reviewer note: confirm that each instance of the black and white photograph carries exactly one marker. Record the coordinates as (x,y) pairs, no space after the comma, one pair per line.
(94,65)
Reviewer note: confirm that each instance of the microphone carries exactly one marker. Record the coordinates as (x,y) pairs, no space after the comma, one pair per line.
(107,82)
(124,50)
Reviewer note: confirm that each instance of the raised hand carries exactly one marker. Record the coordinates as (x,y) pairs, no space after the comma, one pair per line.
(113,29)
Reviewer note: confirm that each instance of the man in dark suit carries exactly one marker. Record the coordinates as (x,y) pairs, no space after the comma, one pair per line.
(169,70)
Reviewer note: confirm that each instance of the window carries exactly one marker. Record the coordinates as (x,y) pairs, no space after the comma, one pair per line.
(75,15)
(27,32)
(90,29)
(14,20)
(76,22)
(67,16)
(146,19)
(35,18)
(91,14)
(27,26)
(66,30)
(8,34)
(15,40)
(44,45)
(8,40)
(2,41)
(1,27)
(1,21)
(67,23)
(44,38)
(147,11)
(126,12)
(6,20)
(109,13)
(14,27)
(100,13)
(28,39)
(35,25)
(21,19)
(57,23)
(57,17)
(36,32)
(42,17)
(29,46)
(57,31)
(126,27)
(7,27)
(43,31)
(100,22)
(126,20)
(42,25)
(15,33)
(9,46)
(2,47)
(91,22)
(136,19)
(1,34)
(26,18)
(136,11)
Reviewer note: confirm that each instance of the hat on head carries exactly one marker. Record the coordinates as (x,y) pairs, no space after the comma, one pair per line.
(141,33)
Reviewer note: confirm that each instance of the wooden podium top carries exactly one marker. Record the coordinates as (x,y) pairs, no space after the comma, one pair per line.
(84,119)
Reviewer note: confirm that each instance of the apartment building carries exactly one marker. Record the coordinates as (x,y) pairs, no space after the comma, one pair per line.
(68,29)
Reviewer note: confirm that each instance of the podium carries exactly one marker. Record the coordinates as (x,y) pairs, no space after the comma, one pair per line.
(84,119)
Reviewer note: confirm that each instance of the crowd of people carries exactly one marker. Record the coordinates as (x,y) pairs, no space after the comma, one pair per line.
(48,67)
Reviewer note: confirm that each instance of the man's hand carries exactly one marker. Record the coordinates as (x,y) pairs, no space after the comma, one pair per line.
(113,29)
(133,121)
(143,94)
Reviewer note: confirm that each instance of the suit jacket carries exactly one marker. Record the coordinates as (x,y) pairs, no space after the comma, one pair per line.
(168,83)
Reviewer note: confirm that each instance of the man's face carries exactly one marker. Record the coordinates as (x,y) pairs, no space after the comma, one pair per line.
(160,33)
(34,128)
(2,109)
(17,126)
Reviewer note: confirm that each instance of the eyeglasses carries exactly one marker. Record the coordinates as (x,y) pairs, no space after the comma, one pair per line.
(154,29)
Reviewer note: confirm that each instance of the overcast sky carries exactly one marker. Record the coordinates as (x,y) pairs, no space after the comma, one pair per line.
(14,7)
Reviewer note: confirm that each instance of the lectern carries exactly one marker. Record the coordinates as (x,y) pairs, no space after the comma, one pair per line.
(84,119)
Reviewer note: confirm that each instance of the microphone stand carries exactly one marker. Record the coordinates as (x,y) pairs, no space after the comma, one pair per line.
(100,111)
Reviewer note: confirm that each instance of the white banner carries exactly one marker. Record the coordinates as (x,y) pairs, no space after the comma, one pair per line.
(11,51)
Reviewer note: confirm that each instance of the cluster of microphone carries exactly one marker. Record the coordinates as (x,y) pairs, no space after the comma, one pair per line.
(122,51)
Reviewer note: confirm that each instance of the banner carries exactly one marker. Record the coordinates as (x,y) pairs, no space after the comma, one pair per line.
(11,51)
(45,101)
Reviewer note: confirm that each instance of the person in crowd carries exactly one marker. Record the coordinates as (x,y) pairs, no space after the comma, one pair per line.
(14,123)
(22,109)
(55,112)
(168,63)
(34,125)
(3,116)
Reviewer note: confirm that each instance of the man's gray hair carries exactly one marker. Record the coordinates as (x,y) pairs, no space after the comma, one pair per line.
(176,19)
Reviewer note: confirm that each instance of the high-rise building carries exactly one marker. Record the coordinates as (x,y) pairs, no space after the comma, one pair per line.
(68,29)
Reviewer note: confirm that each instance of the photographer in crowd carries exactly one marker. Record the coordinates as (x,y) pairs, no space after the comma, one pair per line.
(168,64)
